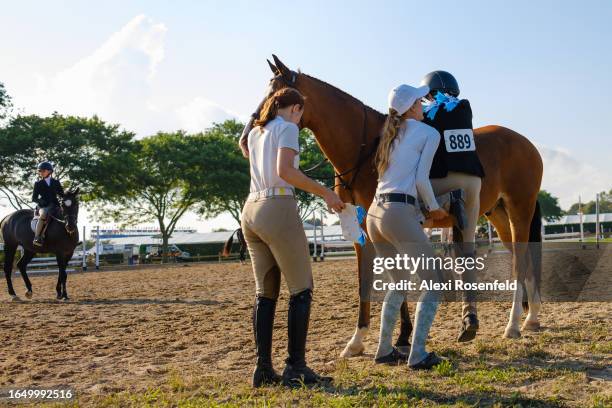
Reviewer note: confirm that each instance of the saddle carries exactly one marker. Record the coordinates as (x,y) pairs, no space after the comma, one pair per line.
(53,214)
(35,222)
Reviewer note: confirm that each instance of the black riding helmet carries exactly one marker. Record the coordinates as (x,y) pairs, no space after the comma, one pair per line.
(441,81)
(45,166)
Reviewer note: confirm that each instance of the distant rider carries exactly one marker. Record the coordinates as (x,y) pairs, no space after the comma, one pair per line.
(45,195)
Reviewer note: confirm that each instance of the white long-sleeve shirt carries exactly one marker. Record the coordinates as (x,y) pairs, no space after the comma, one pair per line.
(410,161)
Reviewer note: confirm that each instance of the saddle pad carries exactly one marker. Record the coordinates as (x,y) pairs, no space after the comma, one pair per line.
(33,224)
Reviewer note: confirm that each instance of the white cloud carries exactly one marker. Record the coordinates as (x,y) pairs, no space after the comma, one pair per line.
(201,113)
(566,177)
(117,82)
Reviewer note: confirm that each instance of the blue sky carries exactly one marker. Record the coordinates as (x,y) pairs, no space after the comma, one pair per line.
(541,68)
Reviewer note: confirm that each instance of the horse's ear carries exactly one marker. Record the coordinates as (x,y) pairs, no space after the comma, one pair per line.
(282,68)
(77,191)
(273,68)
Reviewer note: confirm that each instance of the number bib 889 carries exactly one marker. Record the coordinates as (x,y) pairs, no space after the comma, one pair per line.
(459,140)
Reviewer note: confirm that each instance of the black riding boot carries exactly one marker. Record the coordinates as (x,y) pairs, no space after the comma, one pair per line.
(469,321)
(296,372)
(457,208)
(263,323)
(38,235)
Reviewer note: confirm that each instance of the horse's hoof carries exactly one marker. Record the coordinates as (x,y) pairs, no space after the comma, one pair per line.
(511,333)
(404,349)
(531,325)
(352,350)
(469,328)
(15,298)
(28,294)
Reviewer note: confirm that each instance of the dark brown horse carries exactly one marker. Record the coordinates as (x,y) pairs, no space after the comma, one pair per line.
(347,132)
(61,238)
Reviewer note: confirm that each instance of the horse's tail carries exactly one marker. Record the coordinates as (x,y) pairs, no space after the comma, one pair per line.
(243,244)
(535,247)
(227,247)
(2,227)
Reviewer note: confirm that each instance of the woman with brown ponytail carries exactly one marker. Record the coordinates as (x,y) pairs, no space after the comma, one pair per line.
(275,235)
(403,160)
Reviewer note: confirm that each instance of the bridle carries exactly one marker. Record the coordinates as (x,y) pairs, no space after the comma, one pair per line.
(362,155)
(66,221)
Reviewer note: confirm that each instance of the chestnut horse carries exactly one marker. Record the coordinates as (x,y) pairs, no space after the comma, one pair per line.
(347,132)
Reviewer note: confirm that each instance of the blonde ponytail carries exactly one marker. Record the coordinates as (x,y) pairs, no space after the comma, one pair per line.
(389,134)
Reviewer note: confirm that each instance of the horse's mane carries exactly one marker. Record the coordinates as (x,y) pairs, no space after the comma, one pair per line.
(340,93)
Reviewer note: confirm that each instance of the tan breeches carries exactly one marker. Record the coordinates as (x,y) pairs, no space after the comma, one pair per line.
(471,187)
(277,245)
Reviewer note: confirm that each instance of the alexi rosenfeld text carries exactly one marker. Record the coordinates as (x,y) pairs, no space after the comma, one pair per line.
(410,264)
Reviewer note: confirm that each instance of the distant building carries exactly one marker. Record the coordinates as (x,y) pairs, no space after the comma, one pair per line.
(111,233)
(571,223)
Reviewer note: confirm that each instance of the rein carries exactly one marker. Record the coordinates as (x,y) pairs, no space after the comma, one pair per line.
(361,156)
(65,221)
(361,159)
(58,220)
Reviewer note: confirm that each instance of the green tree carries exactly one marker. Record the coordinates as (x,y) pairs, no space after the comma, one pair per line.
(171,173)
(549,206)
(232,178)
(233,175)
(605,205)
(6,103)
(310,156)
(85,151)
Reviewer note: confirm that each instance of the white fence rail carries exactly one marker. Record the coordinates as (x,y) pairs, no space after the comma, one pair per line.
(49,265)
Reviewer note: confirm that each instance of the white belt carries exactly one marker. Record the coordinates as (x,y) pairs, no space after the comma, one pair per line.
(271,192)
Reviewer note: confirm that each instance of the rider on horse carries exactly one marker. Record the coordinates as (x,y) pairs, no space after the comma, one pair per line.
(456,164)
(45,195)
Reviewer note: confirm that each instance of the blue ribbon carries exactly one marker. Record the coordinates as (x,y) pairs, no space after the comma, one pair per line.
(361,214)
(440,100)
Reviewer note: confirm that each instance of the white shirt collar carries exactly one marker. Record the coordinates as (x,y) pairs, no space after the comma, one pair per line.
(48,180)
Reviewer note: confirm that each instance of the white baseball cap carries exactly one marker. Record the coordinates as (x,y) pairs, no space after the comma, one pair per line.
(401,98)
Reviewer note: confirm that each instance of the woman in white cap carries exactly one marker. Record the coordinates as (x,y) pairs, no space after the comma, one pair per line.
(403,161)
(275,235)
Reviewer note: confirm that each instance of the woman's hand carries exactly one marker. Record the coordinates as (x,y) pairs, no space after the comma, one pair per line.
(333,201)
(438,214)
